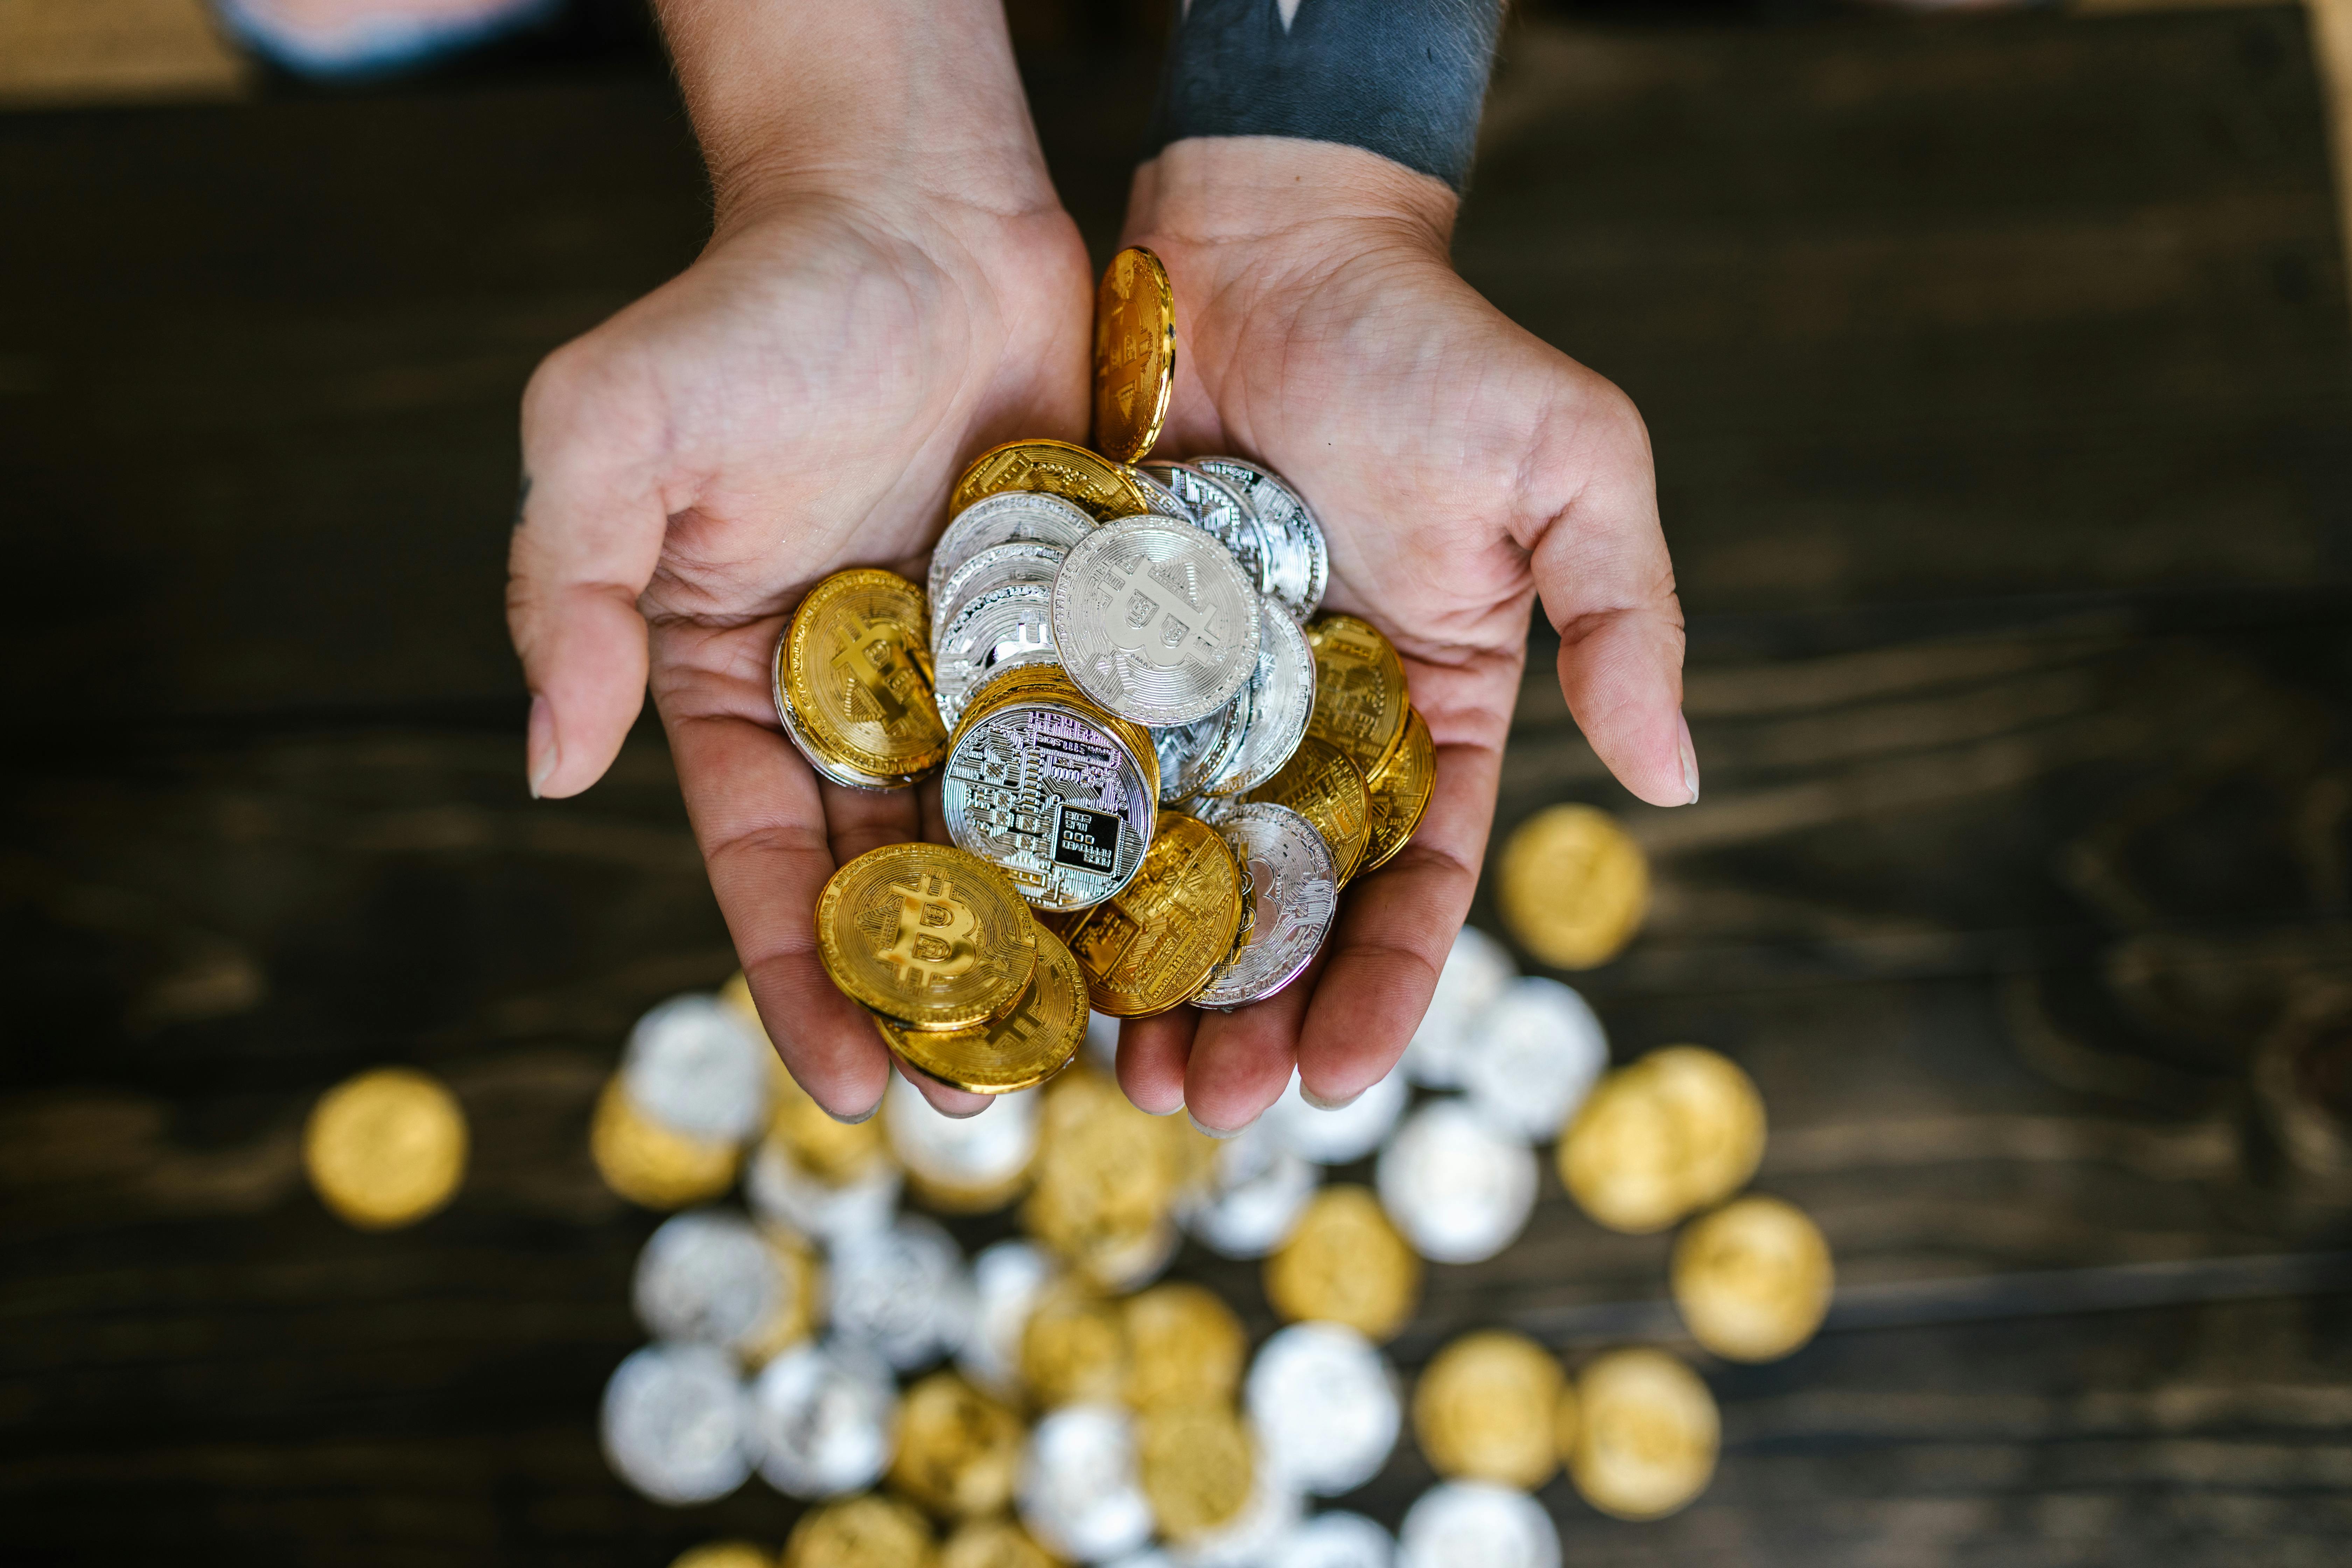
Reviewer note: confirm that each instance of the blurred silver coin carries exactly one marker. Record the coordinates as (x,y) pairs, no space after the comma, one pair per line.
(1282,701)
(692,1066)
(1297,568)
(1294,897)
(708,1276)
(1536,1051)
(1102,1040)
(1337,1136)
(1253,1197)
(1139,1261)
(1051,798)
(1476,972)
(1217,508)
(984,1151)
(1162,501)
(1154,621)
(1475,1524)
(902,1290)
(676,1424)
(782,1192)
(1149,1557)
(1268,1516)
(1011,626)
(1324,1406)
(1193,756)
(812,753)
(1079,1494)
(1459,1189)
(1006,1281)
(824,1420)
(999,567)
(1335,1540)
(1009,517)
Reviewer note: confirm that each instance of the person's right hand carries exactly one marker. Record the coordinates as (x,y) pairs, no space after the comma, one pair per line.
(798,401)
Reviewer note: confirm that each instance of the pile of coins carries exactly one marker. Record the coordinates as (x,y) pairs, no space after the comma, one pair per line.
(1138,721)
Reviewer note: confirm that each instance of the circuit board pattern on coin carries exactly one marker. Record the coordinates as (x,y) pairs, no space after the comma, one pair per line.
(1054,799)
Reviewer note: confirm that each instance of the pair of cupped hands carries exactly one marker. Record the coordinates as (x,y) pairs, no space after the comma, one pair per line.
(801,399)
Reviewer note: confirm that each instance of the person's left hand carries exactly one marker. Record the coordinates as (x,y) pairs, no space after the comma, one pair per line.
(1459,465)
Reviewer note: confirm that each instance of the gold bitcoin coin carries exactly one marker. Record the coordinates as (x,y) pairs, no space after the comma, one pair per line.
(1345,1263)
(1027,1046)
(386,1148)
(1196,1467)
(1150,946)
(958,1450)
(724,1554)
(1753,1279)
(1074,1346)
(1486,1408)
(1401,794)
(1322,785)
(1574,887)
(650,1165)
(1359,695)
(870,1531)
(1645,1434)
(1135,354)
(1184,1347)
(926,935)
(854,669)
(1093,484)
(993,1543)
(1678,1130)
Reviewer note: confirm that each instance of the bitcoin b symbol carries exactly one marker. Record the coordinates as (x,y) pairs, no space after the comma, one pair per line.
(935,935)
(1177,622)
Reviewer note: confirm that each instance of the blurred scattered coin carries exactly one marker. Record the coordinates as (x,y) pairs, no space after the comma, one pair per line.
(1249,1199)
(902,1290)
(385,1149)
(1184,1347)
(676,1422)
(1486,1409)
(1267,1516)
(1335,1540)
(1679,1130)
(1006,1279)
(958,1450)
(1345,1263)
(860,1532)
(1476,969)
(693,1068)
(1196,1467)
(783,1190)
(1753,1279)
(1079,1493)
(1475,1524)
(967,1164)
(724,1554)
(824,1420)
(1458,1190)
(1644,1434)
(1325,1405)
(1106,1177)
(650,1165)
(710,1277)
(993,1543)
(1573,886)
(1074,1346)
(1537,1050)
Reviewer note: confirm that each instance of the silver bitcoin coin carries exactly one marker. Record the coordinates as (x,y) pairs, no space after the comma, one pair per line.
(1296,566)
(1218,509)
(1325,1408)
(1162,501)
(1156,622)
(1006,1281)
(1079,1493)
(1251,1196)
(1011,625)
(784,1191)
(1294,894)
(1457,1187)
(1335,1540)
(1476,1524)
(676,1424)
(1476,969)
(824,1420)
(1282,701)
(692,1066)
(978,1153)
(1193,756)
(1053,799)
(1537,1051)
(1008,517)
(708,1276)
(903,1291)
(999,567)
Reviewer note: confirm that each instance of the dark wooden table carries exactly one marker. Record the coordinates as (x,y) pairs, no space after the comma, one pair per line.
(1998,376)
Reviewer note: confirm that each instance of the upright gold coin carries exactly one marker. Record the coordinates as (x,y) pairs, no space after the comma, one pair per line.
(724,1554)
(958,1450)
(993,1543)
(1753,1279)
(1092,483)
(926,935)
(1184,1347)
(1197,1466)
(1074,1346)
(1645,1434)
(1028,1045)
(1401,794)
(1486,1409)
(647,1163)
(1320,783)
(1574,887)
(1359,693)
(1679,1130)
(855,668)
(1150,946)
(386,1148)
(870,1531)
(1345,1263)
(1135,354)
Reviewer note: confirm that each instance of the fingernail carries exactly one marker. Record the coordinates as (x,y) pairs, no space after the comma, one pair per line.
(1690,765)
(959,1115)
(865,1115)
(1320,1103)
(540,752)
(1202,1127)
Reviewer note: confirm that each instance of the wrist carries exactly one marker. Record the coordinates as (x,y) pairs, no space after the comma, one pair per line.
(1235,207)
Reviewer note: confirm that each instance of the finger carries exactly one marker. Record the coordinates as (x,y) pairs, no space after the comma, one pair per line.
(946,1099)
(1242,1060)
(1152,1056)
(587,536)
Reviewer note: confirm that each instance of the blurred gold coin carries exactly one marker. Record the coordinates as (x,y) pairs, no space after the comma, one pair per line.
(831,1149)
(386,1148)
(800,1303)
(926,935)
(1645,1434)
(993,1543)
(1104,1170)
(724,1554)
(870,1531)
(1091,483)
(1360,692)
(1485,1410)
(1574,887)
(647,1163)
(1345,1263)
(958,1450)
(1074,1346)
(1184,1347)
(1028,1045)
(855,668)
(1677,1131)
(1135,353)
(1401,794)
(1322,785)
(1196,1467)
(1150,946)
(1753,1279)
